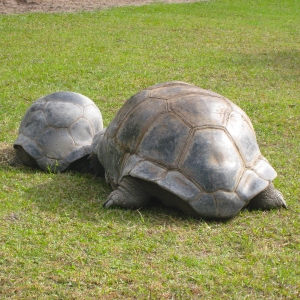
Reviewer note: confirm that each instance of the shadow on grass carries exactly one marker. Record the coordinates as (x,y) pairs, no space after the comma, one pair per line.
(79,196)
(82,196)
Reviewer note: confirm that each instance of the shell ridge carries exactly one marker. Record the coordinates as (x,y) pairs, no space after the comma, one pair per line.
(180,117)
(236,108)
(72,122)
(142,176)
(250,185)
(167,108)
(91,127)
(231,105)
(88,123)
(239,179)
(227,101)
(264,174)
(44,116)
(254,162)
(209,126)
(68,129)
(240,198)
(235,145)
(186,145)
(228,117)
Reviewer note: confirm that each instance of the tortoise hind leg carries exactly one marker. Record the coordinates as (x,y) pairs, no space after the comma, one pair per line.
(129,194)
(268,199)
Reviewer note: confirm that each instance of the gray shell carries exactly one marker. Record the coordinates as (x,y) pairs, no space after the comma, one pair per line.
(58,129)
(191,142)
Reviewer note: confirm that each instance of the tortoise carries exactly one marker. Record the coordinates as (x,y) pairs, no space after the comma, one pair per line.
(57,131)
(191,148)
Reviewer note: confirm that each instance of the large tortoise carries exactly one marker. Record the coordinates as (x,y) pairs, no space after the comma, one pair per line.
(191,148)
(57,131)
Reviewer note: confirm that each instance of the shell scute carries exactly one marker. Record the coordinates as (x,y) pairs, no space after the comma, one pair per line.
(78,152)
(212,160)
(243,137)
(205,205)
(201,110)
(38,105)
(30,146)
(148,171)
(57,141)
(128,106)
(93,115)
(130,162)
(61,114)
(250,185)
(161,144)
(239,111)
(227,204)
(264,170)
(34,124)
(138,121)
(81,132)
(181,186)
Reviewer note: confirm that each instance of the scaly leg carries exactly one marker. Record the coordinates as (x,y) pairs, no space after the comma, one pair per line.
(267,199)
(129,194)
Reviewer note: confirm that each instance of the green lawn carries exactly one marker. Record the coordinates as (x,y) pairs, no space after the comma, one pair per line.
(56,240)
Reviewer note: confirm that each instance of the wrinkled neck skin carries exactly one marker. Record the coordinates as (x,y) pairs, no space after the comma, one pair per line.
(101,156)
(94,158)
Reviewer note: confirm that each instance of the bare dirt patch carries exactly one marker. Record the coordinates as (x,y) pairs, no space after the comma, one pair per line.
(24,6)
(7,152)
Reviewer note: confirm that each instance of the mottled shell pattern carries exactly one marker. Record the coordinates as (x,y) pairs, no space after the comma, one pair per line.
(191,142)
(58,129)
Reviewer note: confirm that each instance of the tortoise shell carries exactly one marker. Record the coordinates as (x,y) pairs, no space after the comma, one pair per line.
(58,129)
(194,143)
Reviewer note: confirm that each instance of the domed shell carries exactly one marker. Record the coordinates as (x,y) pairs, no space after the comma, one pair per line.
(58,129)
(191,142)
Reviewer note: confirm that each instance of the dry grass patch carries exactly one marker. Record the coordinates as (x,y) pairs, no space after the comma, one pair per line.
(7,152)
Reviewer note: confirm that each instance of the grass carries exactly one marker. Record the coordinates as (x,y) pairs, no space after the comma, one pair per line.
(56,240)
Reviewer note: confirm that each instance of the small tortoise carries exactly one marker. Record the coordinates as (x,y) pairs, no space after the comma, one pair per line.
(191,148)
(57,131)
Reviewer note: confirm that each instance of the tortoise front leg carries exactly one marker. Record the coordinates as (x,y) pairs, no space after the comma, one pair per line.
(129,194)
(268,199)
